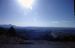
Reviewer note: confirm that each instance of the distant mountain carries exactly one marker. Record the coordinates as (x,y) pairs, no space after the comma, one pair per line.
(38,33)
(7,26)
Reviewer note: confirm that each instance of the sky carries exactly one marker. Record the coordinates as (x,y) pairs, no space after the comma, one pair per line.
(44,13)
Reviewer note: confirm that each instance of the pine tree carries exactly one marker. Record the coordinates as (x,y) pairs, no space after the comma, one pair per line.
(11,31)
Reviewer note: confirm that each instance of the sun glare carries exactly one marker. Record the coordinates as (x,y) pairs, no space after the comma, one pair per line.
(26,3)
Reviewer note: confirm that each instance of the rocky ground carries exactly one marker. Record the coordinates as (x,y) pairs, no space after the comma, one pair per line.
(38,44)
(17,42)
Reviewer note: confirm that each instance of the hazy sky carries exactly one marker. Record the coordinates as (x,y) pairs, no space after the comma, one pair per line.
(44,13)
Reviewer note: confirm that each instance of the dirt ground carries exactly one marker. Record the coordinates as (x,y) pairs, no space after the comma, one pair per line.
(39,44)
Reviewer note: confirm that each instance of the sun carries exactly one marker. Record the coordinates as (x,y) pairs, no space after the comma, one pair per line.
(26,3)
